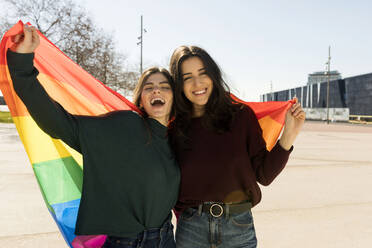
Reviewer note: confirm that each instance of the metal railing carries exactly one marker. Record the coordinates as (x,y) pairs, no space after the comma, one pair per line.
(361,119)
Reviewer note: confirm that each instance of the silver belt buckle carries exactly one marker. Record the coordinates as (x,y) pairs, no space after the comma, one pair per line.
(216,205)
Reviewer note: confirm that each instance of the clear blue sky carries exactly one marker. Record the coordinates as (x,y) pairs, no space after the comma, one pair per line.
(254,42)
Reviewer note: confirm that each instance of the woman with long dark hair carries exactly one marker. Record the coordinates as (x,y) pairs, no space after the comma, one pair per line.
(131,179)
(221,153)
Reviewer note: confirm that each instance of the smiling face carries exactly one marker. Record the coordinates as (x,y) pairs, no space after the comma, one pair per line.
(157,97)
(197,85)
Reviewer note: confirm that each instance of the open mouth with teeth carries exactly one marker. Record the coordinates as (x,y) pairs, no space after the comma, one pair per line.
(157,102)
(200,92)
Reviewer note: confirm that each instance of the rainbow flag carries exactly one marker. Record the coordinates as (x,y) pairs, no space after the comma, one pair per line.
(271,117)
(57,167)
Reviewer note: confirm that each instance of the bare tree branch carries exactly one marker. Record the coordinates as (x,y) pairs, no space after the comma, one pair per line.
(69,27)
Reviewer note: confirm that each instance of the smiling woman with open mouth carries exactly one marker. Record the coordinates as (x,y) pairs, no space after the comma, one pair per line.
(131,179)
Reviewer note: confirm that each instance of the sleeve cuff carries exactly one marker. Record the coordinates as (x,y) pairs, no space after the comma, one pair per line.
(20,62)
(280,149)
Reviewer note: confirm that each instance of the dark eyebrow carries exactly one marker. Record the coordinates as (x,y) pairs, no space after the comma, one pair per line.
(201,69)
(164,82)
(148,83)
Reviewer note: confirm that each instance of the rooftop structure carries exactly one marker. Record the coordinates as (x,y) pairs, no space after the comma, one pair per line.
(322,76)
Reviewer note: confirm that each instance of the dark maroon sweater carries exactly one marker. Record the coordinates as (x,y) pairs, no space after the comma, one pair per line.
(227,167)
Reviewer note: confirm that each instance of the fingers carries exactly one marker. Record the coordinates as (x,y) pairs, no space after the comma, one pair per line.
(26,42)
(302,115)
(27,30)
(297,111)
(299,114)
(295,106)
(35,36)
(17,38)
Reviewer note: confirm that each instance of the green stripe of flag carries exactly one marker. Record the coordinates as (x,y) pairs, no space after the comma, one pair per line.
(60,180)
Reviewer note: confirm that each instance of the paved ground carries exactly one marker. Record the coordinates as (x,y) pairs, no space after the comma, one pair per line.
(322,199)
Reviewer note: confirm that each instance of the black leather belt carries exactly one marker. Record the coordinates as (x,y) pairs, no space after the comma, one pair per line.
(218,209)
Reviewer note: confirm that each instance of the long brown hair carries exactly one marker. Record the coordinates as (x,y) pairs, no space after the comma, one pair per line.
(220,108)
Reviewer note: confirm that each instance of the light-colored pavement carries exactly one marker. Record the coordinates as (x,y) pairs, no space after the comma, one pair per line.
(323,197)
(24,218)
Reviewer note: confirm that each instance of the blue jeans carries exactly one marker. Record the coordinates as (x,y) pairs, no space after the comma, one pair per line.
(201,230)
(152,238)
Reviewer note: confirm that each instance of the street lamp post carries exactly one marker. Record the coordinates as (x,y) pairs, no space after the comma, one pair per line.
(141,42)
(328,77)
(271,90)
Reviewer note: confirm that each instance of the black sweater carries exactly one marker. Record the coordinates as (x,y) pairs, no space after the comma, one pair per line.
(130,180)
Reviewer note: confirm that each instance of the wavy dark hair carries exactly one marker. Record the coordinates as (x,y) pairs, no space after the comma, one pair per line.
(220,109)
(141,83)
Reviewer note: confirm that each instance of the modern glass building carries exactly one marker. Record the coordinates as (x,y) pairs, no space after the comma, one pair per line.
(354,93)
